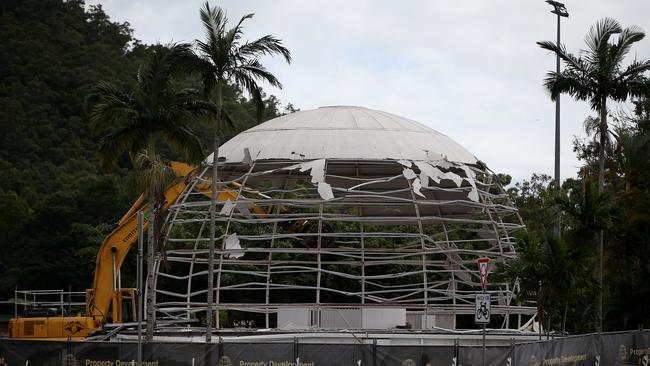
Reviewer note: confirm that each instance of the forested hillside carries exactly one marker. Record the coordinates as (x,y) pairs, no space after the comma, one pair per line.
(57,206)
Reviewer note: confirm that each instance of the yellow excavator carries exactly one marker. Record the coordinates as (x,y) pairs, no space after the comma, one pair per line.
(106,302)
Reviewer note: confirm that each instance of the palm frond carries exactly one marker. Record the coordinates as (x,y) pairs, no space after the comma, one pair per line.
(152,174)
(255,70)
(245,79)
(265,46)
(635,70)
(597,38)
(234,34)
(225,117)
(184,140)
(225,60)
(214,21)
(572,62)
(568,82)
(155,107)
(109,107)
(114,145)
(626,39)
(637,87)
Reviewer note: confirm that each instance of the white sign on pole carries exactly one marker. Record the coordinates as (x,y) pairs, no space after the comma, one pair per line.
(482,309)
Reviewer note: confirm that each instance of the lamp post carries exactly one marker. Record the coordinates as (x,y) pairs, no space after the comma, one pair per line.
(560,10)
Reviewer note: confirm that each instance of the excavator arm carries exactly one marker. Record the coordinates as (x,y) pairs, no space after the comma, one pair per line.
(117,244)
(112,253)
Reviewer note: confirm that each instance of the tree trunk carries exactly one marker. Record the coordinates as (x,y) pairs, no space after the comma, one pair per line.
(151,296)
(601,234)
(213,217)
(603,139)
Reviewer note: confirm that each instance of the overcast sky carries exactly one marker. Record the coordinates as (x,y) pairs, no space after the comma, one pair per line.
(469,69)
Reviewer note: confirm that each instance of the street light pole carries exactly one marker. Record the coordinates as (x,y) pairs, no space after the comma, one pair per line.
(560,10)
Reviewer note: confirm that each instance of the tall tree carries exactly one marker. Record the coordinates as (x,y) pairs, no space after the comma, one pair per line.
(548,270)
(223,58)
(597,75)
(131,122)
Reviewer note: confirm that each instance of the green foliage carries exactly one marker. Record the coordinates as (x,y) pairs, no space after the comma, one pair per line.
(598,72)
(223,58)
(535,199)
(131,121)
(552,275)
(57,206)
(621,211)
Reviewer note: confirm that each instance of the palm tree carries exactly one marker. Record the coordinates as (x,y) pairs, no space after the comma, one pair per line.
(597,75)
(223,59)
(130,122)
(547,269)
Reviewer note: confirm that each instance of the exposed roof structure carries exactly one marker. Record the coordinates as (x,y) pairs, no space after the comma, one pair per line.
(337,209)
(341,132)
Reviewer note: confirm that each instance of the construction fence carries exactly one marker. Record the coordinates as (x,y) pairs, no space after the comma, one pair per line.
(624,348)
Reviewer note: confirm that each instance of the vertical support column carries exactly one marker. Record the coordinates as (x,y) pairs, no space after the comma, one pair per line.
(424,255)
(453,282)
(318,251)
(363,244)
(174,211)
(270,259)
(318,254)
(223,243)
(190,274)
(268,275)
(363,266)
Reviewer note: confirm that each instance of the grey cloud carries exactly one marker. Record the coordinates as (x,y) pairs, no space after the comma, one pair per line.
(470,69)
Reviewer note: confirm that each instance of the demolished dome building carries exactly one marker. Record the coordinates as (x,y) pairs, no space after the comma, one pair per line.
(344,218)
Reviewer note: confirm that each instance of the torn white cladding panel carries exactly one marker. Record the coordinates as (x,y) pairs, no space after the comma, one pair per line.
(232,247)
(352,213)
(227,208)
(408,173)
(470,176)
(417,186)
(316,168)
(325,191)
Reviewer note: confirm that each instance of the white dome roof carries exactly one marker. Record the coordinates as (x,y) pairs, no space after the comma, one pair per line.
(342,132)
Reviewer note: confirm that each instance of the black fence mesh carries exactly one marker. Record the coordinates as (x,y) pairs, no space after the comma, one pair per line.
(626,348)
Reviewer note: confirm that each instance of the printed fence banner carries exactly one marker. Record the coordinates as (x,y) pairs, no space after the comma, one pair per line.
(623,348)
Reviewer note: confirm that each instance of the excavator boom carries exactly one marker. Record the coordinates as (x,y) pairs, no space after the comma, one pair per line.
(117,244)
(112,253)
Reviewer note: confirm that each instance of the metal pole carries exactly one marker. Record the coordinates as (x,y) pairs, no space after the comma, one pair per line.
(558,231)
(560,10)
(139,282)
(483,345)
(557,114)
(483,352)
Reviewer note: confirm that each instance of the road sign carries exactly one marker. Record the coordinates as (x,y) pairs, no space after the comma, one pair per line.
(482,309)
(483,270)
